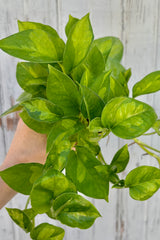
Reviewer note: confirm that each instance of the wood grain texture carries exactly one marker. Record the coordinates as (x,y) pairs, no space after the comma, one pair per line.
(137,24)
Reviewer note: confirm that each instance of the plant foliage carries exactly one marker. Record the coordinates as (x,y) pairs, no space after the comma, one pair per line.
(76,93)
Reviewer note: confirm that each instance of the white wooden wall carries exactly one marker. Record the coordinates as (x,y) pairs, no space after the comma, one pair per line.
(137,24)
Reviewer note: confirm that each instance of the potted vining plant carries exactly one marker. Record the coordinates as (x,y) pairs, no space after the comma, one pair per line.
(76,93)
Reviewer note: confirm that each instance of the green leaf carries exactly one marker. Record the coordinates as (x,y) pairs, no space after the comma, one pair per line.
(95,125)
(20,218)
(47,231)
(14,108)
(143,182)
(62,91)
(21,177)
(92,105)
(49,186)
(107,87)
(71,22)
(42,110)
(156,127)
(30,213)
(95,61)
(77,72)
(57,156)
(37,126)
(34,25)
(32,77)
(120,159)
(24,96)
(34,45)
(62,129)
(110,47)
(74,210)
(149,84)
(128,118)
(78,44)
(81,170)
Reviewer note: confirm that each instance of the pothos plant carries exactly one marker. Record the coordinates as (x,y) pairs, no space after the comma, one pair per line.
(76,93)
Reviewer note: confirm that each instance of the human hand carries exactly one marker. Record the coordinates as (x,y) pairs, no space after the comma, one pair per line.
(27,146)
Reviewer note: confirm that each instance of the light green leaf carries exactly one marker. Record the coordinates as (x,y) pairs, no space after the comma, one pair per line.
(32,77)
(156,127)
(49,186)
(77,72)
(57,156)
(143,182)
(95,61)
(110,47)
(62,91)
(21,177)
(24,96)
(63,129)
(46,231)
(107,87)
(120,159)
(128,118)
(34,45)
(78,44)
(149,84)
(92,105)
(30,213)
(42,110)
(95,125)
(81,170)
(35,25)
(37,126)
(15,108)
(71,22)
(20,218)
(74,210)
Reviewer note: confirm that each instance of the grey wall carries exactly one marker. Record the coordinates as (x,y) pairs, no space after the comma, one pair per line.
(137,24)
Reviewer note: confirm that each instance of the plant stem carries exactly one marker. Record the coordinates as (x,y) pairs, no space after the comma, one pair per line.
(145,145)
(101,158)
(145,134)
(150,153)
(27,203)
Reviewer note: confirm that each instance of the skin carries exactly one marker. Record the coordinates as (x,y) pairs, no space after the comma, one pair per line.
(27,146)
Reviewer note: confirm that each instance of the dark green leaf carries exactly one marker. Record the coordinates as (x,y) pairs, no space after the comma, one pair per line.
(34,25)
(14,108)
(149,84)
(92,105)
(21,177)
(32,77)
(81,170)
(63,129)
(128,118)
(120,159)
(95,61)
(78,44)
(110,47)
(62,91)
(74,210)
(34,45)
(49,186)
(143,182)
(70,24)
(42,110)
(20,218)
(46,231)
